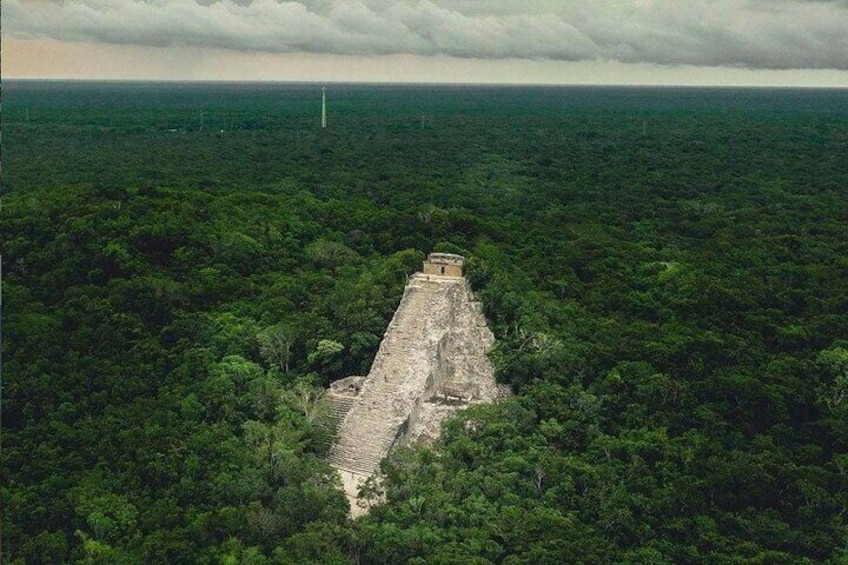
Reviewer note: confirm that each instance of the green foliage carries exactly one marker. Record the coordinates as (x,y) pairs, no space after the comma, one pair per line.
(664,272)
(835,394)
(276,344)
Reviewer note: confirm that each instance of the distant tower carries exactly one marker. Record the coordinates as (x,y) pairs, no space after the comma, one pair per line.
(323,107)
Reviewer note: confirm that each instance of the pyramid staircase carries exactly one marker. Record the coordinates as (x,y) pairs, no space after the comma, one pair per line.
(369,424)
(437,338)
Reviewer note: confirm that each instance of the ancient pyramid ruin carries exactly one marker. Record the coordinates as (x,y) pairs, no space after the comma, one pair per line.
(432,362)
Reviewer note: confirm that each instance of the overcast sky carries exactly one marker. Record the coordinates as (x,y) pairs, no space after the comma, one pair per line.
(792,42)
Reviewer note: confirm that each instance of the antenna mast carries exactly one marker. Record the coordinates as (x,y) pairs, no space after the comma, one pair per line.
(323,107)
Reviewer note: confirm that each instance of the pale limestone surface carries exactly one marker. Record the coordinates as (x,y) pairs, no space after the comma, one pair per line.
(432,361)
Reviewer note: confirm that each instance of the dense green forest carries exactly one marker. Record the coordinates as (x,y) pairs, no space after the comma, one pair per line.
(187,266)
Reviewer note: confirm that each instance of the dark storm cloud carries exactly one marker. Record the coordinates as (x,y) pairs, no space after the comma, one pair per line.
(781,34)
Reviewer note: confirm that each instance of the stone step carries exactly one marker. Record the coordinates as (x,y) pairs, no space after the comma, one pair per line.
(364,465)
(352,455)
(339,407)
(355,453)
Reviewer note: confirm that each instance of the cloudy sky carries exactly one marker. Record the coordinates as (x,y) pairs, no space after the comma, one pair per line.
(768,42)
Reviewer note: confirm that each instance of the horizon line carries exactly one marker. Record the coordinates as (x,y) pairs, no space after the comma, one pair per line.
(427,83)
